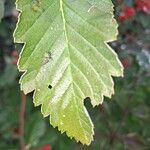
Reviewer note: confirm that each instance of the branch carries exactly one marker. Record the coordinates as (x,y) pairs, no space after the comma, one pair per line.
(22,120)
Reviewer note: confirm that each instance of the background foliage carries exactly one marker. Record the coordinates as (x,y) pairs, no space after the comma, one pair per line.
(120,123)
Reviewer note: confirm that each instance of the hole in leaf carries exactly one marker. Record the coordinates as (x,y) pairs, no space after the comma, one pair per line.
(49,86)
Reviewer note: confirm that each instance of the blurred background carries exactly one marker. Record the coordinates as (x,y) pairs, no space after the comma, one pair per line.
(122,123)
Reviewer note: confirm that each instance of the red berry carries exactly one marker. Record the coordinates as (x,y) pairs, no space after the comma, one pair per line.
(46,147)
(143,5)
(126,13)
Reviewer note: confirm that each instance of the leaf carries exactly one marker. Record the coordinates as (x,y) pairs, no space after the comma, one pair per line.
(66,59)
(1,9)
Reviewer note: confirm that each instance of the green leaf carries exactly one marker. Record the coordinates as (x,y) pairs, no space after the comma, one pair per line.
(1,9)
(65,48)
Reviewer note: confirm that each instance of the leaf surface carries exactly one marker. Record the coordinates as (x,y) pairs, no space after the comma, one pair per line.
(66,59)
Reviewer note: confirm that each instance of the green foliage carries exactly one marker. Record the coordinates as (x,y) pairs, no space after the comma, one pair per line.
(1,9)
(122,123)
(66,59)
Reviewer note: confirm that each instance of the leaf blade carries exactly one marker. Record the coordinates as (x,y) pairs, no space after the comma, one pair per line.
(65,47)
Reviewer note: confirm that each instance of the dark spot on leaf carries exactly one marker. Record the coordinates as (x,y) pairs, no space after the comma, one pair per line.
(49,86)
